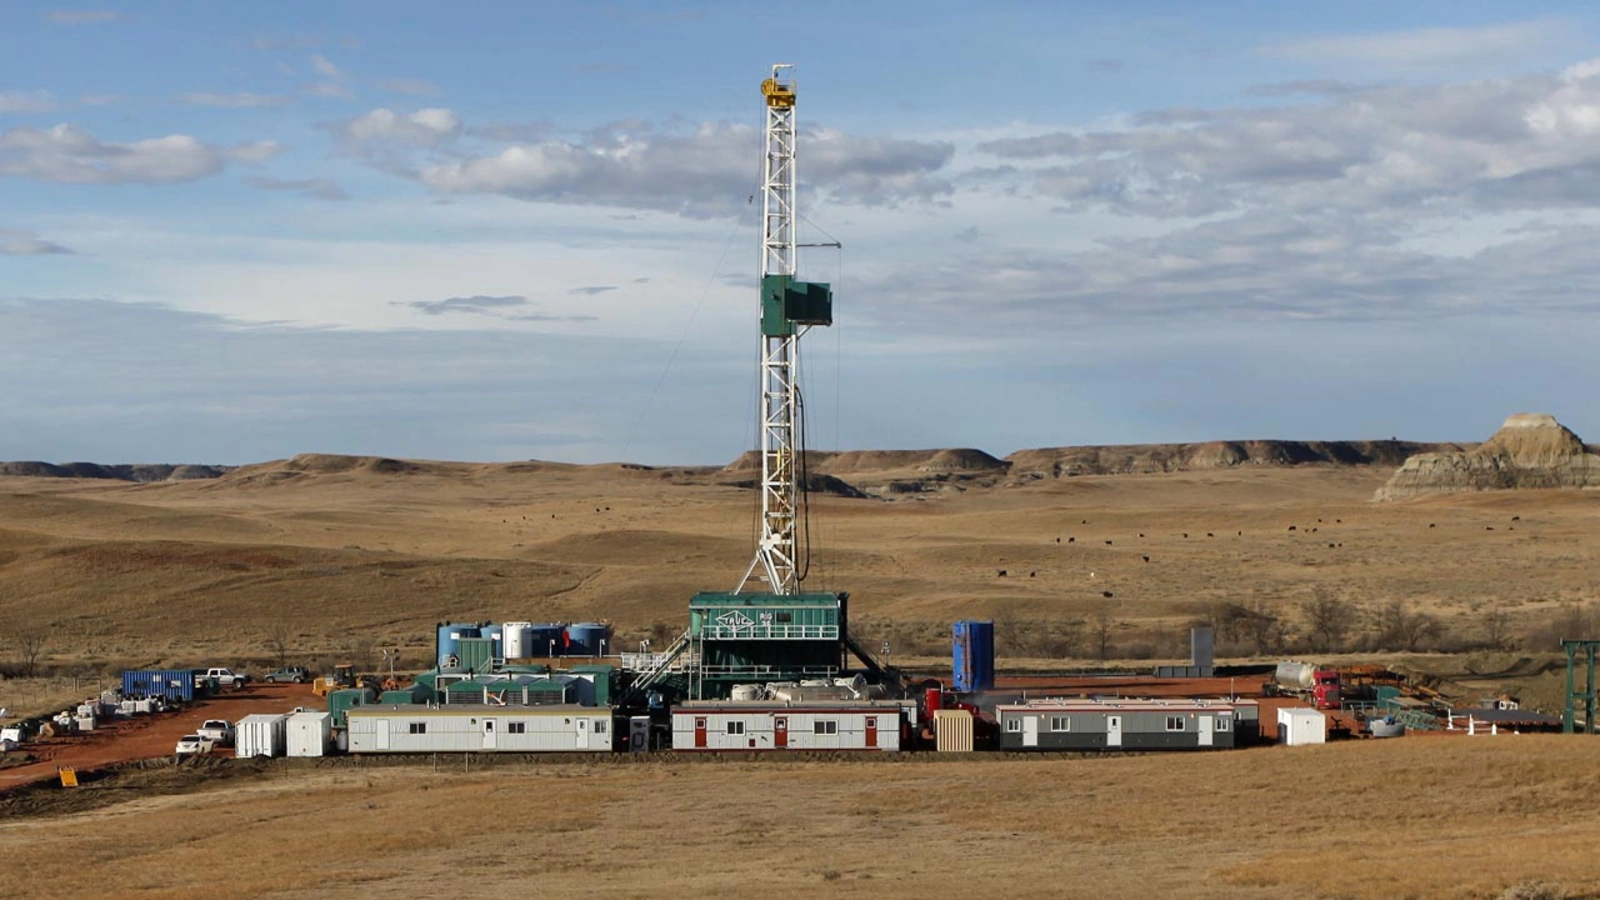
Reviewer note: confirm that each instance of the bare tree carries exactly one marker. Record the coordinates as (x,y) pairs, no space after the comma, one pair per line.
(1101,626)
(1262,625)
(1497,629)
(1009,636)
(1228,619)
(362,652)
(278,640)
(30,642)
(662,634)
(1328,620)
(1399,628)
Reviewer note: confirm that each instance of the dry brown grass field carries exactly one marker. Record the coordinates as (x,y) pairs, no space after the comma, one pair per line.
(1419,817)
(329,550)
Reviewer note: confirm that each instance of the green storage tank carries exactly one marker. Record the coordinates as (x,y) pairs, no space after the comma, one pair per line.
(605,680)
(464,692)
(416,693)
(342,701)
(548,692)
(475,653)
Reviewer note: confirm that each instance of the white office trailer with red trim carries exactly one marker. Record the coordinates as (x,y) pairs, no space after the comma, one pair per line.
(874,725)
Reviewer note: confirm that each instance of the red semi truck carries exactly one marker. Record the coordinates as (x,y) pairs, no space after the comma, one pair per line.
(1299,679)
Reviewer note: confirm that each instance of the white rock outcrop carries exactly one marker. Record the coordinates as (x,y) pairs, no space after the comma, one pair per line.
(1531,450)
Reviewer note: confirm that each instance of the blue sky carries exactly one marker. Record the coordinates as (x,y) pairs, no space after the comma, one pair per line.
(233,232)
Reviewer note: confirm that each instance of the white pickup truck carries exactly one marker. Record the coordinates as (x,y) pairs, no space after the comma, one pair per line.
(225,678)
(218,731)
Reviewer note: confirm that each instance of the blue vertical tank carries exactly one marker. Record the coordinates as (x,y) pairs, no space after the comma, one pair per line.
(450,635)
(973,655)
(496,636)
(547,639)
(588,639)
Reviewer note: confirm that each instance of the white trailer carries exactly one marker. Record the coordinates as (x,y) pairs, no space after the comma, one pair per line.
(479,728)
(1298,726)
(261,734)
(765,725)
(309,733)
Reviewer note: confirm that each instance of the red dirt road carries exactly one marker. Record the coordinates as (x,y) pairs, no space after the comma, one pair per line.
(148,737)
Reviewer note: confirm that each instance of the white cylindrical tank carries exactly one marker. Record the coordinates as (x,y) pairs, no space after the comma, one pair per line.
(748,692)
(1292,674)
(514,639)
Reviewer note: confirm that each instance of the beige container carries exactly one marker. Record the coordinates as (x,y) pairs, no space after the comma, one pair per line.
(953,728)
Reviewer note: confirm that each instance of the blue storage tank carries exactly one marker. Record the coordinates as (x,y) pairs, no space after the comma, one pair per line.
(974,655)
(173,684)
(588,639)
(547,639)
(450,634)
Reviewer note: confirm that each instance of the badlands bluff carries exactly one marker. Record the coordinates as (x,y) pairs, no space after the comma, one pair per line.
(1531,450)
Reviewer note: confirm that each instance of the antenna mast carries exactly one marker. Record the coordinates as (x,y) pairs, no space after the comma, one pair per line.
(788,309)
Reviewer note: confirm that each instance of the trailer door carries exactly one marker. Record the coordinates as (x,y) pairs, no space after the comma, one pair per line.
(780,732)
(1205,730)
(1113,731)
(872,732)
(1030,731)
(490,738)
(700,732)
(583,733)
(380,734)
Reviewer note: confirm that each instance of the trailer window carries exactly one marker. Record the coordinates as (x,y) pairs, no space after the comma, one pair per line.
(600,726)
(827,727)
(419,728)
(1174,723)
(1060,723)
(1223,723)
(1013,724)
(516,728)
(736,728)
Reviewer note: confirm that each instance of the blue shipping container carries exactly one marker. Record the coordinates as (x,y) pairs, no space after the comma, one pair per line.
(973,655)
(173,684)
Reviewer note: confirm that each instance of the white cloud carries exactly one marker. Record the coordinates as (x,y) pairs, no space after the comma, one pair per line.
(1416,150)
(325,68)
(232,101)
(27,101)
(318,188)
(709,170)
(425,127)
(1430,48)
(331,89)
(68,154)
(416,87)
(14,242)
(81,16)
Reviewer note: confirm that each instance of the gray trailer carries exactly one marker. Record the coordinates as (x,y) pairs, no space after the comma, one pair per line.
(1091,724)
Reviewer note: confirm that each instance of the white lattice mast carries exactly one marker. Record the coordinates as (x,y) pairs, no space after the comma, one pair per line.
(788,307)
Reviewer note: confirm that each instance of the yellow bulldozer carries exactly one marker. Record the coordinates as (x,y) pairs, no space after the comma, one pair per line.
(344,676)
